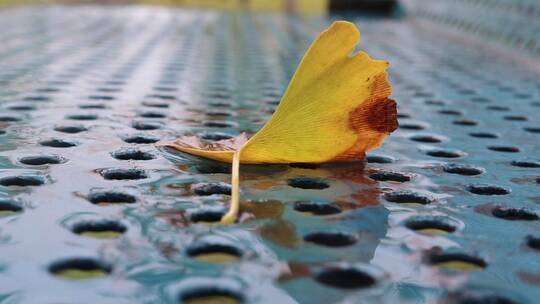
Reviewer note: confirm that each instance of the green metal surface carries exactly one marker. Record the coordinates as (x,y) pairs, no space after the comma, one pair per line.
(92,212)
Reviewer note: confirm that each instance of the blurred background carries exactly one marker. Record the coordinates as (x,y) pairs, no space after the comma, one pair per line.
(304,6)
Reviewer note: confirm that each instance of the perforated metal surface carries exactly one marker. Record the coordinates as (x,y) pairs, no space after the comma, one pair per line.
(86,92)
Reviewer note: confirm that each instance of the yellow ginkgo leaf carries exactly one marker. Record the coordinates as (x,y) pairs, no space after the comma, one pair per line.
(335,109)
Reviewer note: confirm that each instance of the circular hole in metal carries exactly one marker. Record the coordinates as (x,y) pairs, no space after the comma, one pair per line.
(457,261)
(47,90)
(217,114)
(165,89)
(37,98)
(408,197)
(153,114)
(498,108)
(108,90)
(43,159)
(71,129)
(307,183)
(9,207)
(346,278)
(101,97)
(532,129)
(106,197)
(462,169)
(220,95)
(205,189)
(206,216)
(161,96)
(483,135)
(82,117)
(388,176)
(59,143)
(451,112)
(146,125)
(480,99)
(155,104)
(465,122)
(423,94)
(22,180)
(403,115)
(526,164)
(432,102)
(211,294)
(506,149)
(98,106)
(430,226)
(99,229)
(444,153)
(533,242)
(515,118)
(141,139)
(80,269)
(514,214)
(132,154)
(523,95)
(220,104)
(379,159)
(330,239)
(316,208)
(123,174)
(411,126)
(21,107)
(6,118)
(485,189)
(214,253)
(426,138)
(218,124)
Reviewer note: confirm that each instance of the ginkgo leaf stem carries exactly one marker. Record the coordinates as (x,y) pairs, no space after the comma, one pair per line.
(232,214)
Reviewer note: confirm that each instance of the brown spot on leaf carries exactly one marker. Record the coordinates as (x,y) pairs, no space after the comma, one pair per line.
(373,120)
(378,112)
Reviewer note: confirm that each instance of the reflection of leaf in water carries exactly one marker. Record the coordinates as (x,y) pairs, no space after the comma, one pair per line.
(264,210)
(295,270)
(280,232)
